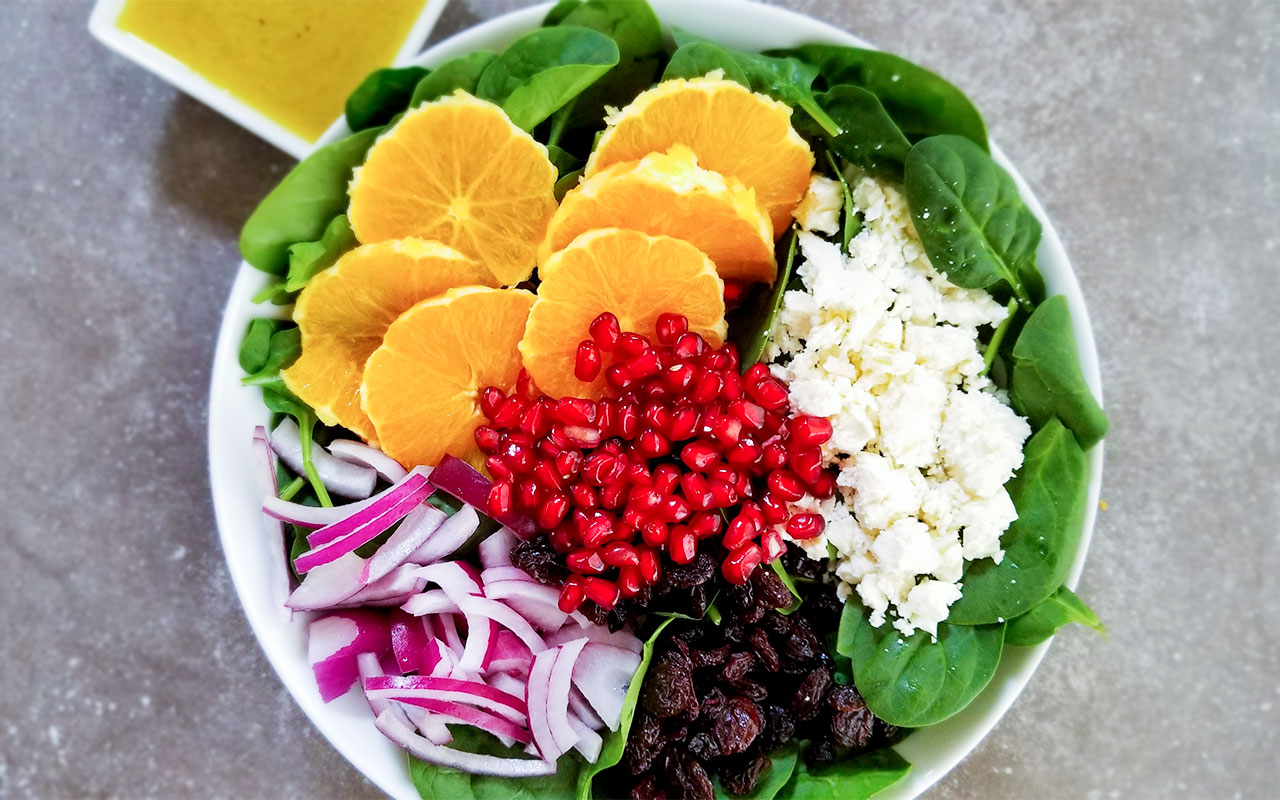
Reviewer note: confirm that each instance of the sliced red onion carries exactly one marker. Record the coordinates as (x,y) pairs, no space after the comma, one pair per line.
(539,687)
(485,721)
(474,763)
(394,589)
(434,601)
(603,674)
(328,585)
(495,550)
(375,524)
(520,595)
(333,643)
(475,690)
(477,653)
(599,634)
(338,476)
(510,684)
(452,534)
(505,573)
(559,684)
(449,630)
(420,525)
(408,640)
(458,478)
(589,743)
(311,516)
(277,559)
(504,616)
(583,710)
(432,725)
(453,578)
(435,652)
(509,653)
(414,487)
(368,456)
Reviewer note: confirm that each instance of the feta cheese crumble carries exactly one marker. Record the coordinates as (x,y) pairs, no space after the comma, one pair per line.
(886,348)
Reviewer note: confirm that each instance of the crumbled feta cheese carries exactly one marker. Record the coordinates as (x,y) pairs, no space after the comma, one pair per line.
(886,348)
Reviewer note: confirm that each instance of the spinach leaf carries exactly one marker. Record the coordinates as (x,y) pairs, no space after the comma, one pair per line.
(559,11)
(255,348)
(696,59)
(630,23)
(566,182)
(382,95)
(583,118)
(919,101)
(1047,382)
(541,71)
(283,348)
(616,741)
(913,681)
(301,206)
(785,577)
(992,349)
(564,162)
(970,219)
(444,783)
(462,73)
(851,218)
(782,766)
(280,400)
(1042,621)
(308,259)
(855,779)
(1049,492)
(752,325)
(868,138)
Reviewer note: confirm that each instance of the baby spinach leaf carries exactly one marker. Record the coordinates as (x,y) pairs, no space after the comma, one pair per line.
(919,101)
(913,681)
(851,218)
(785,577)
(868,138)
(541,71)
(255,348)
(280,400)
(584,117)
(566,182)
(559,11)
(630,23)
(696,59)
(752,325)
(444,783)
(616,741)
(564,162)
(1046,380)
(970,219)
(462,73)
(992,348)
(858,778)
(283,348)
(301,205)
(308,259)
(1049,493)
(782,766)
(1042,621)
(382,95)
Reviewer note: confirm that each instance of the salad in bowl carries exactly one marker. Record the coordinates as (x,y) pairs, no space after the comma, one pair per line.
(623,411)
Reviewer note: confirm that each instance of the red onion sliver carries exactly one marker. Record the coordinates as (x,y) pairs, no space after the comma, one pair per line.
(328,585)
(427,683)
(277,559)
(589,743)
(338,476)
(334,642)
(603,674)
(362,513)
(394,589)
(452,534)
(495,550)
(368,456)
(408,640)
(476,764)
(559,683)
(509,573)
(376,521)
(458,478)
(583,710)
(418,527)
(539,687)
(452,577)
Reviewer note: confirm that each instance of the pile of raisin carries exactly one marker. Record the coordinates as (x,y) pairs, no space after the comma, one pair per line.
(719,698)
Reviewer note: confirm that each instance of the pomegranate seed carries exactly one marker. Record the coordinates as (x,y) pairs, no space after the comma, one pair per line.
(562,538)
(699,456)
(645,498)
(597,530)
(689,345)
(602,592)
(524,385)
(734,292)
(613,445)
(547,477)
(751,414)
(534,421)
(684,423)
(674,509)
(707,387)
(571,595)
(753,513)
(723,495)
(773,456)
(629,581)
(726,430)
(499,502)
(679,377)
(774,510)
(587,361)
(768,392)
(620,554)
(697,491)
(498,468)
(682,545)
(638,474)
(645,365)
(771,545)
(568,463)
(743,454)
(755,373)
(491,400)
(617,378)
(652,444)
(608,417)
(551,512)
(628,425)
(665,478)
(731,351)
(599,468)
(509,412)
(605,331)
(631,345)
(613,495)
(805,526)
(807,463)
(737,568)
(785,485)
(669,327)
(487,439)
(733,387)
(584,497)
(725,475)
(656,417)
(716,361)
(632,518)
(582,436)
(824,486)
(741,530)
(576,411)
(773,422)
(650,567)
(807,430)
(653,533)
(527,495)
(706,523)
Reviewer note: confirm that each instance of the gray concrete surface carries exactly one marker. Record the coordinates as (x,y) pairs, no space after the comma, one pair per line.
(1149,131)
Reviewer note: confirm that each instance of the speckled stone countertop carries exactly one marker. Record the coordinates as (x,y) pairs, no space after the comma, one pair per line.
(1148,130)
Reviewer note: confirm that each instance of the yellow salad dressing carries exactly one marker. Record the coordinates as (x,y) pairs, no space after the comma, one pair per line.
(295,61)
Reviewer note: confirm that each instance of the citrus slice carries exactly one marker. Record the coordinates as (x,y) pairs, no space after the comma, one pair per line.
(669,194)
(635,276)
(343,312)
(421,386)
(733,131)
(458,171)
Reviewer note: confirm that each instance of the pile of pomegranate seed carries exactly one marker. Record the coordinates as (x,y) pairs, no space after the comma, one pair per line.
(688,450)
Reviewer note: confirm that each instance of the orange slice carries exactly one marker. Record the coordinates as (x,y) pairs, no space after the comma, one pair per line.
(457,170)
(632,274)
(669,194)
(421,387)
(732,130)
(344,311)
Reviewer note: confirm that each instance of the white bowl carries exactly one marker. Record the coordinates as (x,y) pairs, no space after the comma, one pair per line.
(234,410)
(102,24)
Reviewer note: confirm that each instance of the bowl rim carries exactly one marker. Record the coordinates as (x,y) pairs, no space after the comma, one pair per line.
(103,25)
(347,723)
